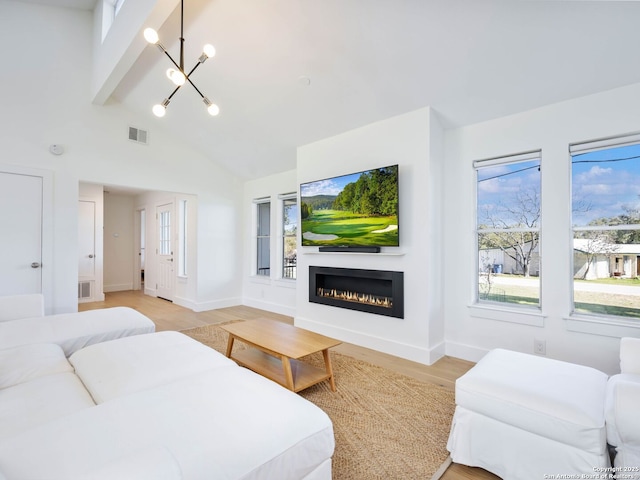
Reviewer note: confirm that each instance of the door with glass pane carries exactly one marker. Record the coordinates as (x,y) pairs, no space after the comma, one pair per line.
(164,255)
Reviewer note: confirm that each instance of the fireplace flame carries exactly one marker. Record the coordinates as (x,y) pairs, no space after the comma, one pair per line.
(355,297)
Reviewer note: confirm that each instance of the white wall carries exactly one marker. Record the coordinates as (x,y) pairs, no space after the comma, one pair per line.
(472,332)
(404,140)
(271,293)
(49,102)
(118,242)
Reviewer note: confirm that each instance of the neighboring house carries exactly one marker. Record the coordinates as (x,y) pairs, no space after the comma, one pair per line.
(621,260)
(616,261)
(508,261)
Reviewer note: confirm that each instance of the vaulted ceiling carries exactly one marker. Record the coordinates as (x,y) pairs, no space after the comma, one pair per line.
(291,72)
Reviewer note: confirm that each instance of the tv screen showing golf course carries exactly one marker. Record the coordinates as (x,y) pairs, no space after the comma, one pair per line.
(360,209)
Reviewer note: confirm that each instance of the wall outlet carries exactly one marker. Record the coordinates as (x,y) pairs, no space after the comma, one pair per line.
(540,347)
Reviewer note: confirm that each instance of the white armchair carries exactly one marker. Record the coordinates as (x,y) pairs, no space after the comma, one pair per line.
(14,307)
(622,410)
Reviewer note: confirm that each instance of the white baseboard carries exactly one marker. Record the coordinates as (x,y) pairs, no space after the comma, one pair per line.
(118,287)
(210,305)
(270,307)
(426,356)
(465,352)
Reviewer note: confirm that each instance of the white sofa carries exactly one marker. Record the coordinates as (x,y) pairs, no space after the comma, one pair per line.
(622,410)
(153,406)
(22,322)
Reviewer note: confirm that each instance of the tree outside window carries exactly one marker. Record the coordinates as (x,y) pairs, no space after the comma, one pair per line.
(605,180)
(508,229)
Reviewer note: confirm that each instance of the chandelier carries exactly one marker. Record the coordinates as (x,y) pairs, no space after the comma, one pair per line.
(178,74)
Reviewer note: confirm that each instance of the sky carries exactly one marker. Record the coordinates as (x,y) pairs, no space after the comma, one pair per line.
(606,181)
(499,185)
(330,186)
(603,182)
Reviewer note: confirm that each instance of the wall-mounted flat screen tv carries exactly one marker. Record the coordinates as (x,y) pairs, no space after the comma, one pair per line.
(356,210)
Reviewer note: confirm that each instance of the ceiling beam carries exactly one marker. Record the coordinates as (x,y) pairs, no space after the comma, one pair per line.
(124,43)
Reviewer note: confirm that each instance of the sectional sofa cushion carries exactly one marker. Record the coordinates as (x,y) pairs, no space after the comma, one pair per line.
(73,331)
(37,384)
(27,405)
(28,362)
(113,369)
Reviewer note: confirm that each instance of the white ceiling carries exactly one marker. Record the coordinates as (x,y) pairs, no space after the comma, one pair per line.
(367,60)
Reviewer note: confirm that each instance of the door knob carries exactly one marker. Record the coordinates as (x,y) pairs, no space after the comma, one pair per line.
(35,265)
(90,256)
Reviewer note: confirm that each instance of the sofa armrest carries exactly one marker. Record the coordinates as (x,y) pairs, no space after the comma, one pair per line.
(626,398)
(630,355)
(15,307)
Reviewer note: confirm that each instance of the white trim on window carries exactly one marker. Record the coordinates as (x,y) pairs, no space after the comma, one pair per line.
(604,143)
(507,159)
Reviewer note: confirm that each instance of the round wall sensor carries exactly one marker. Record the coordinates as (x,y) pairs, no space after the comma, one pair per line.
(56,149)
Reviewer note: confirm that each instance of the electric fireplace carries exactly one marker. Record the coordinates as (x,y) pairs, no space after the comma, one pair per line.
(373,291)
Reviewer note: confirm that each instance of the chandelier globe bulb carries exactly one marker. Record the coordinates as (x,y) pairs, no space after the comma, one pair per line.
(209,50)
(213,109)
(176,76)
(151,36)
(159,110)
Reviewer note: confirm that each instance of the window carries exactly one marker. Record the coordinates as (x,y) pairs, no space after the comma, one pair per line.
(110,9)
(116,7)
(605,204)
(289,235)
(165,232)
(182,239)
(263,238)
(508,230)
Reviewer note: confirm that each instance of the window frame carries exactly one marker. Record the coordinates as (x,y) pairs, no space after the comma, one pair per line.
(587,321)
(507,311)
(259,235)
(283,198)
(183,237)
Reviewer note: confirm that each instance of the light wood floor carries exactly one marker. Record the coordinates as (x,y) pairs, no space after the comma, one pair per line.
(168,316)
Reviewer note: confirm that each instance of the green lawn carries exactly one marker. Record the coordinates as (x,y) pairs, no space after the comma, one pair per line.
(615,281)
(350,228)
(598,303)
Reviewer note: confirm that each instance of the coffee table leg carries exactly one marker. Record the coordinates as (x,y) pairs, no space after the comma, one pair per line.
(230,345)
(288,375)
(327,363)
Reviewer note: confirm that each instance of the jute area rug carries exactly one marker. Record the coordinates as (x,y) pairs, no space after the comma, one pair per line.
(386,425)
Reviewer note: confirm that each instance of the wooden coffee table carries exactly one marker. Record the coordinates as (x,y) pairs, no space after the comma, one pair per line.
(276,349)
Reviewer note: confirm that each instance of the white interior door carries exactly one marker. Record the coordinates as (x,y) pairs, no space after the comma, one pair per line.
(21,239)
(164,253)
(86,250)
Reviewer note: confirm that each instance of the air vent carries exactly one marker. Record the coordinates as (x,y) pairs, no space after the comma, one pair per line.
(84,290)
(138,135)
